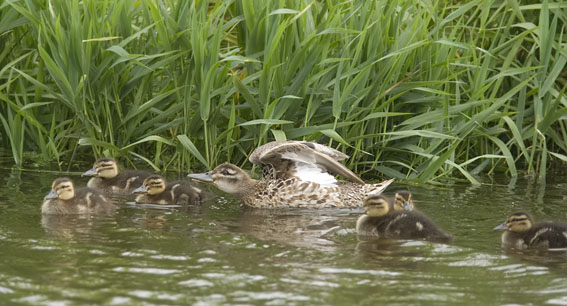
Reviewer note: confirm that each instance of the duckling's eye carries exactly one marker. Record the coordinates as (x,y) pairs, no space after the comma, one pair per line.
(225,172)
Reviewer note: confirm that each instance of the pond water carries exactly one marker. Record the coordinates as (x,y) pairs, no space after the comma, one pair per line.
(222,253)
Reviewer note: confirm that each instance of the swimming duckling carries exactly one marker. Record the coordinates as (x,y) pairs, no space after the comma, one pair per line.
(294,174)
(402,201)
(108,180)
(156,190)
(381,221)
(522,233)
(64,199)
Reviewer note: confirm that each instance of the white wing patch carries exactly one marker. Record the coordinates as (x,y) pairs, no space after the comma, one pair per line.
(130,181)
(311,173)
(419,226)
(539,233)
(89,200)
(173,191)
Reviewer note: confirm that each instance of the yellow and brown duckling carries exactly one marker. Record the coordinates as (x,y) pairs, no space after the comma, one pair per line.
(294,174)
(522,233)
(156,190)
(107,178)
(382,221)
(402,200)
(64,199)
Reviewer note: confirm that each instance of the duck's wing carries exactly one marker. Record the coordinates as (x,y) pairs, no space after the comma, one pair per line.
(548,235)
(303,153)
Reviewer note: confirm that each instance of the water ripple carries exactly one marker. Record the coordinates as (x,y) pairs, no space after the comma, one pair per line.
(355,271)
(156,271)
(196,283)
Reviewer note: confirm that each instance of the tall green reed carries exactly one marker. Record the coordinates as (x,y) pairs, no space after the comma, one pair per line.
(425,91)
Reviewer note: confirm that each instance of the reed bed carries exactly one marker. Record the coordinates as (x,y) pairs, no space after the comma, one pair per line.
(420,90)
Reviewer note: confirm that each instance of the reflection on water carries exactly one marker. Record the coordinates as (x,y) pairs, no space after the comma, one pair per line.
(300,228)
(222,253)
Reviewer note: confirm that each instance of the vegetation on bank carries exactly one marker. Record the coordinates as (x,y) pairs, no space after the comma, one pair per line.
(420,90)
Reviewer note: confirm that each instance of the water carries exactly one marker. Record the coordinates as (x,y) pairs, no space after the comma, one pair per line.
(221,253)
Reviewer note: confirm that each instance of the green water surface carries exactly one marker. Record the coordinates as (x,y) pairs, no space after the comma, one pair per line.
(221,253)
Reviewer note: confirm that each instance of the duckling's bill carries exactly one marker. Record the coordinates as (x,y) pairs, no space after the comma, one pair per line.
(52,195)
(501,227)
(139,190)
(205,177)
(91,172)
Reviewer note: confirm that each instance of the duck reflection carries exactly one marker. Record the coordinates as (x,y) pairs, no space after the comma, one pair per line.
(301,228)
(555,259)
(74,227)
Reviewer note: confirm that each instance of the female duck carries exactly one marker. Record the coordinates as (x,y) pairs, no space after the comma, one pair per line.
(522,233)
(381,221)
(107,179)
(64,199)
(294,174)
(156,190)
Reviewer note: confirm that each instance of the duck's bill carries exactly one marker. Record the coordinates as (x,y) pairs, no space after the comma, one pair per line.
(205,177)
(501,227)
(141,189)
(91,172)
(51,195)
(408,206)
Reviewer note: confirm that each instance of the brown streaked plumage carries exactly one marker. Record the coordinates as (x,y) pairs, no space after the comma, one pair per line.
(64,199)
(382,221)
(288,192)
(155,190)
(107,178)
(522,233)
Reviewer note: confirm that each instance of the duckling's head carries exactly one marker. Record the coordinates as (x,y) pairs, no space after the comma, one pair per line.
(104,167)
(516,222)
(403,200)
(152,185)
(226,177)
(376,206)
(61,188)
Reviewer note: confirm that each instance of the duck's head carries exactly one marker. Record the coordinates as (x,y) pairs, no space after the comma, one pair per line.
(403,200)
(152,185)
(226,177)
(61,188)
(376,206)
(516,222)
(104,167)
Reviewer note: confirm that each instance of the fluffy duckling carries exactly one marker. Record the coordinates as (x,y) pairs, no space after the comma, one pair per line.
(402,201)
(156,190)
(64,199)
(108,179)
(522,233)
(381,221)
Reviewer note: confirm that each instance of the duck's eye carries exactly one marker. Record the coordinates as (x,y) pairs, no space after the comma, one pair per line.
(225,172)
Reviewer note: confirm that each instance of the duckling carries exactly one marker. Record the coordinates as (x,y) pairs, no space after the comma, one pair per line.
(294,174)
(108,180)
(402,201)
(522,233)
(381,221)
(156,190)
(64,199)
